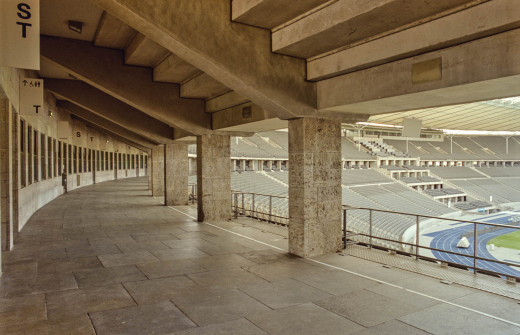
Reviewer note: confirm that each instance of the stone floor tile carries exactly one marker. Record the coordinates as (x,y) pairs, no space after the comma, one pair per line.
(336,282)
(127,258)
(218,307)
(403,295)
(152,237)
(434,287)
(26,268)
(18,286)
(150,291)
(366,308)
(174,254)
(227,278)
(392,327)
(194,242)
(89,251)
(284,293)
(83,263)
(448,319)
(139,246)
(508,309)
(224,249)
(159,318)
(111,240)
(77,326)
(66,304)
(194,234)
(267,256)
(38,255)
(106,276)
(235,327)
(223,262)
(14,311)
(303,319)
(170,268)
(284,269)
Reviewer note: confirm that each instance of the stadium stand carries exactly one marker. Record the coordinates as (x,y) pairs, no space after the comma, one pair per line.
(352,177)
(350,150)
(455,172)
(401,187)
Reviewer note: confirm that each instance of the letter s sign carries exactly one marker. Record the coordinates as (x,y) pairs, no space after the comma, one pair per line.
(20,31)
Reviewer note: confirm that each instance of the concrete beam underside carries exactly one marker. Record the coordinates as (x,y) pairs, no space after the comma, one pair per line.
(176,170)
(213,178)
(104,69)
(314,187)
(238,56)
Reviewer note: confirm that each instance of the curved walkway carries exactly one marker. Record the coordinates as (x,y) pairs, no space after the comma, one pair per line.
(109,259)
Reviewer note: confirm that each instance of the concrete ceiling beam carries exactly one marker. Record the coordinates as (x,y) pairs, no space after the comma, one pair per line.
(484,69)
(202,87)
(104,69)
(144,52)
(104,123)
(346,22)
(476,22)
(238,56)
(225,101)
(174,70)
(112,33)
(269,14)
(108,107)
(115,136)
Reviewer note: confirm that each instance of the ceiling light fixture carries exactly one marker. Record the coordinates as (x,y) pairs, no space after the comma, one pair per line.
(76,26)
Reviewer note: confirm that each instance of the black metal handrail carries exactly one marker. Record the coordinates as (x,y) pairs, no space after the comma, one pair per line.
(371,237)
(245,203)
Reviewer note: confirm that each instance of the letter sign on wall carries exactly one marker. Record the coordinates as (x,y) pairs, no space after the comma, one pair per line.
(20,34)
(31,96)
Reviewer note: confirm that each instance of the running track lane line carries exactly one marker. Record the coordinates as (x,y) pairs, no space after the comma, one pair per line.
(359,274)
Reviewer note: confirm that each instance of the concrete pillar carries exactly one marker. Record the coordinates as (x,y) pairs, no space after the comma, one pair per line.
(314,186)
(213,178)
(148,167)
(157,171)
(6,174)
(176,170)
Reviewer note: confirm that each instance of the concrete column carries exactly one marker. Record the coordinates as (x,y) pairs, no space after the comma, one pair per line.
(157,171)
(6,174)
(213,178)
(314,186)
(176,170)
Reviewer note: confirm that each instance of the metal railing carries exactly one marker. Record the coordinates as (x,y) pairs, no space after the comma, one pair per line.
(192,193)
(366,226)
(258,206)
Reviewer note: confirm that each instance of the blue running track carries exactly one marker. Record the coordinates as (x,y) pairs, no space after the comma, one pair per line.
(448,239)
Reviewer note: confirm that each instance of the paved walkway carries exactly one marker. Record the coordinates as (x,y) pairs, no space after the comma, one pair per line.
(109,259)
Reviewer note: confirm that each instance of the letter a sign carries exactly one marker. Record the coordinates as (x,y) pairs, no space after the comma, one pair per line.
(20,34)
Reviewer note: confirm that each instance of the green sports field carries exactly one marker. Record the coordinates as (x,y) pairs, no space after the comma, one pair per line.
(511,240)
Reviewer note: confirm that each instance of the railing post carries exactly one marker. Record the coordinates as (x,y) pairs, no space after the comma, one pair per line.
(370,228)
(243,206)
(270,207)
(253,206)
(344,228)
(236,205)
(417,237)
(474,248)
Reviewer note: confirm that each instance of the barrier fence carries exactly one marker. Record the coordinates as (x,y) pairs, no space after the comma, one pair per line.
(383,229)
(259,206)
(366,226)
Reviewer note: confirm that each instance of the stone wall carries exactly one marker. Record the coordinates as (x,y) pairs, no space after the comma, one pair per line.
(29,179)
